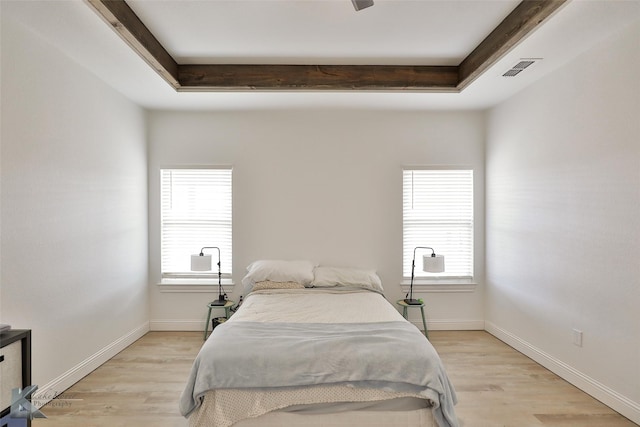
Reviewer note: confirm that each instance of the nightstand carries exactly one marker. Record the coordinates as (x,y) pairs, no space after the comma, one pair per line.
(15,372)
(405,308)
(227,313)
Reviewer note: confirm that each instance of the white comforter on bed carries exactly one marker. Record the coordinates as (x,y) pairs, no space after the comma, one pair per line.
(311,306)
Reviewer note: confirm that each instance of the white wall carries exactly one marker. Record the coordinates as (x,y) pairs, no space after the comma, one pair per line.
(74,210)
(318,184)
(563,221)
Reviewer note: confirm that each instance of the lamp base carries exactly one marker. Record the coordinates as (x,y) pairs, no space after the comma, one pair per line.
(412,301)
(218,302)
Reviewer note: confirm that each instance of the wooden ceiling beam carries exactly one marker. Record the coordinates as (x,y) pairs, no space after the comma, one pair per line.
(528,15)
(316,77)
(132,30)
(218,77)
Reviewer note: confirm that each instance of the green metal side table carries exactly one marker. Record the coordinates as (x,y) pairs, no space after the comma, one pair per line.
(405,308)
(227,313)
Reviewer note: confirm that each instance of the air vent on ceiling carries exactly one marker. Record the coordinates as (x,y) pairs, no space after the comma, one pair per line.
(519,67)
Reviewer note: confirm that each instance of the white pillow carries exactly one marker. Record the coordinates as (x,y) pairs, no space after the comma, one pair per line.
(339,276)
(278,271)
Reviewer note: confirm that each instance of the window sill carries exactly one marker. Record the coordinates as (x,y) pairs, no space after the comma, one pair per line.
(195,285)
(439,285)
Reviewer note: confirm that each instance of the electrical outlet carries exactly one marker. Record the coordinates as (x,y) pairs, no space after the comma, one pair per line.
(577,337)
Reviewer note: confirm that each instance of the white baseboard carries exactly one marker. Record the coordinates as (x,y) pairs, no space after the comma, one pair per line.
(450,324)
(54,388)
(177,325)
(606,395)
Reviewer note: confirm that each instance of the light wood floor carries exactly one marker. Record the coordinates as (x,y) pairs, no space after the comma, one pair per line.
(496,386)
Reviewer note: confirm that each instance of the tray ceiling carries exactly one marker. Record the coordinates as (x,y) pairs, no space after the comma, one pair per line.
(305,33)
(323,45)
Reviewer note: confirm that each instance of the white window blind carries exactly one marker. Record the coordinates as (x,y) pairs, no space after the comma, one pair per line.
(438,212)
(196,212)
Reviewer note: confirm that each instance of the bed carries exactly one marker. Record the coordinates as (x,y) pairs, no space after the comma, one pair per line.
(323,348)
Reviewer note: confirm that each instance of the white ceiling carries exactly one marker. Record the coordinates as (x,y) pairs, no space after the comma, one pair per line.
(417,32)
(394,32)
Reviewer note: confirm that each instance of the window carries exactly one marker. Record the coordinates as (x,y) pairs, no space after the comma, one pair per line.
(438,212)
(195,212)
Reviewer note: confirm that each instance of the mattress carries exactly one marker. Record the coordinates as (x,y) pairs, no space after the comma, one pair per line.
(318,404)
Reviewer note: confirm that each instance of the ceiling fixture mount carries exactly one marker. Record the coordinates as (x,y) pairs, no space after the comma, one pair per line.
(361,4)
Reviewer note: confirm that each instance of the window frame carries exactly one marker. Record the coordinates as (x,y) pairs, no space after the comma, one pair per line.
(447,279)
(176,277)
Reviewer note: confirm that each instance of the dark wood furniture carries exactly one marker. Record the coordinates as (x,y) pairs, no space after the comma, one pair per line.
(14,344)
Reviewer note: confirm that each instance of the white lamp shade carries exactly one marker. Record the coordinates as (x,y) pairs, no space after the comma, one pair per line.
(200,262)
(433,264)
